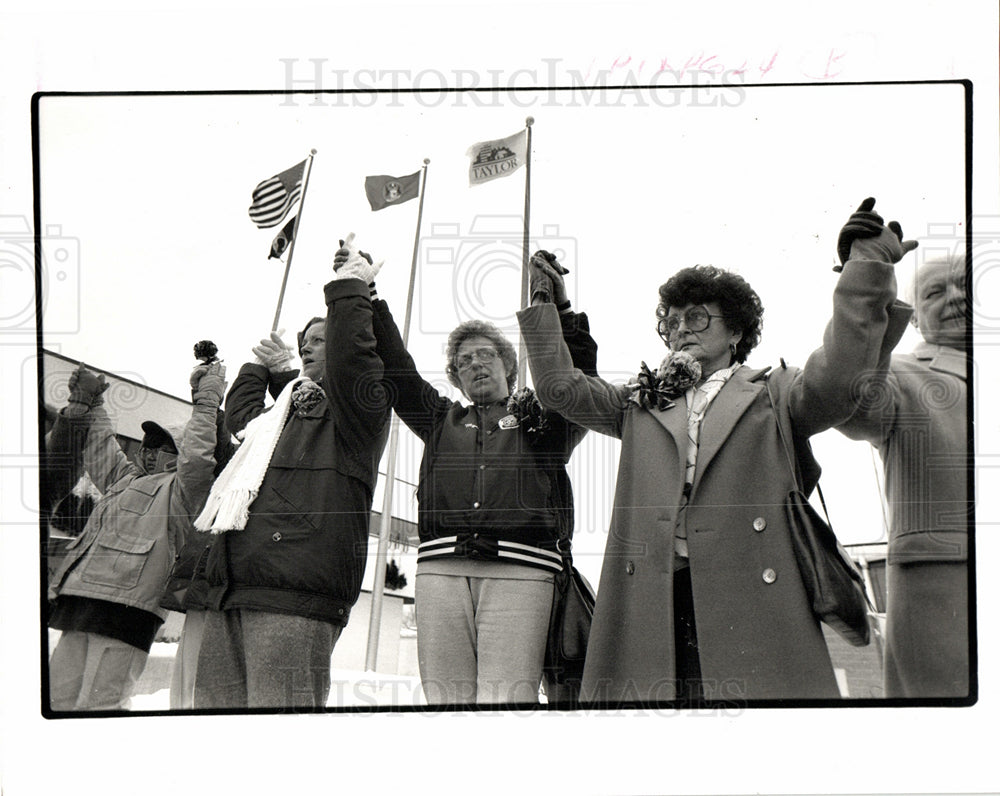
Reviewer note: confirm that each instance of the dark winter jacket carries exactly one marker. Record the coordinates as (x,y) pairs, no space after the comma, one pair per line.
(304,548)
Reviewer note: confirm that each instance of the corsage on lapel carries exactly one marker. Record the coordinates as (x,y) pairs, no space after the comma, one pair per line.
(306,396)
(528,412)
(677,373)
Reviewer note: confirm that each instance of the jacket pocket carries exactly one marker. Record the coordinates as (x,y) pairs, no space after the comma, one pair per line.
(117,561)
(294,521)
(136,499)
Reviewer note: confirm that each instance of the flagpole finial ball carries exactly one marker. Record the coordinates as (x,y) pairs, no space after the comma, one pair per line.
(529,121)
(312,151)
(427,161)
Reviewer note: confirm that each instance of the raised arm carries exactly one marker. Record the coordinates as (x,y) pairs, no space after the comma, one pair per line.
(196,448)
(588,401)
(86,417)
(354,370)
(866,325)
(416,402)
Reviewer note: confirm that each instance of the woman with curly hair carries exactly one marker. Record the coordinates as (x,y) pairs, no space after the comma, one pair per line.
(700,595)
(494,499)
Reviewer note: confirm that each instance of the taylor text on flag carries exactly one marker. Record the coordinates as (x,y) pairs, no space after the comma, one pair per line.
(492,159)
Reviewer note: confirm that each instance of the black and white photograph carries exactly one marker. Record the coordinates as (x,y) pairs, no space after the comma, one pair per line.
(656,415)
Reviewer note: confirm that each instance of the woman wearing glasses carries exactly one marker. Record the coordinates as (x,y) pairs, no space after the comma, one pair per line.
(700,595)
(493,499)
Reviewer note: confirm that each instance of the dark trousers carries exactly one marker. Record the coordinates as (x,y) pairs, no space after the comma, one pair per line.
(688,664)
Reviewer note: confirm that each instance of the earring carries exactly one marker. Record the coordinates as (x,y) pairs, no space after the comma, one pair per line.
(732,349)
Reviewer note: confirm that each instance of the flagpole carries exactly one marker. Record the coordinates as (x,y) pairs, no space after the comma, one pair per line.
(291,246)
(522,357)
(385,521)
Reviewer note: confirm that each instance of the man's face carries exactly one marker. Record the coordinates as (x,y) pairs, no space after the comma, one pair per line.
(313,351)
(156,460)
(481,370)
(940,303)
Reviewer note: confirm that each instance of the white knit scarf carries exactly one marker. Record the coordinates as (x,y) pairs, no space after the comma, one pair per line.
(228,504)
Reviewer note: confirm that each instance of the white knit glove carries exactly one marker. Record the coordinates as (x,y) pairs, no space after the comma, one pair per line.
(274,353)
(351,263)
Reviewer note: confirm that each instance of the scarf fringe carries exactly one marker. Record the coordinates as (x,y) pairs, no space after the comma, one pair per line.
(228,504)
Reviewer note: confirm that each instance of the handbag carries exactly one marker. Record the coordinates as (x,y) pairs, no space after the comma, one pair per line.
(833,583)
(569,630)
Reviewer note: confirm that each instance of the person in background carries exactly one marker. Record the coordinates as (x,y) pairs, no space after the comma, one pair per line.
(700,594)
(494,497)
(916,418)
(291,511)
(186,589)
(105,595)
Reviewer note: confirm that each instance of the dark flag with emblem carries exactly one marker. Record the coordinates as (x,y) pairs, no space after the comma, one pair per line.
(283,239)
(274,197)
(383,190)
(501,158)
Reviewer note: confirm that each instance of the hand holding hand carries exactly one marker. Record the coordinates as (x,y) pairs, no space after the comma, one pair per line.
(208,383)
(865,237)
(554,270)
(86,387)
(349,262)
(274,353)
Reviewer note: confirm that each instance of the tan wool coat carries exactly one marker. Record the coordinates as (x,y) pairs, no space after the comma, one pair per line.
(758,639)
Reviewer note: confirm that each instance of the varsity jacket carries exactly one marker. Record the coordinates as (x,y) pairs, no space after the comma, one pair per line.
(491,487)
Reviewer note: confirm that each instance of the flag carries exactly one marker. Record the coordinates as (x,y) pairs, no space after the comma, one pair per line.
(383,190)
(273,198)
(492,159)
(283,239)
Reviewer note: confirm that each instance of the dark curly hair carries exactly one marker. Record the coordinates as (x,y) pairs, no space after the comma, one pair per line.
(476,328)
(740,304)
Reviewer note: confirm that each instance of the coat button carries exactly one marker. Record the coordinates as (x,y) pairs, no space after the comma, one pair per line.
(769,575)
(475,505)
(629,567)
(482,467)
(759,524)
(276,536)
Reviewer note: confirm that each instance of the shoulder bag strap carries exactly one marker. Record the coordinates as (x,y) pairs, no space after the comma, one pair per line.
(788,452)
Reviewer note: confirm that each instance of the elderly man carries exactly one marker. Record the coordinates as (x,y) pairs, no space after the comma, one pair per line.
(918,423)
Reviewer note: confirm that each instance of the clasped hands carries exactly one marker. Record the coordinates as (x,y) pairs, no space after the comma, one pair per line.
(866,237)
(545,279)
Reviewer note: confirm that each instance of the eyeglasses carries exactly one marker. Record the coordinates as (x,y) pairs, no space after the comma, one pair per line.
(486,356)
(696,319)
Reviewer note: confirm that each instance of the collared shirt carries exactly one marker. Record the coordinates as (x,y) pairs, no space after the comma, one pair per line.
(698,399)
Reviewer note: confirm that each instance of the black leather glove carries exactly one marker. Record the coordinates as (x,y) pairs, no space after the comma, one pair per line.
(877,241)
(546,263)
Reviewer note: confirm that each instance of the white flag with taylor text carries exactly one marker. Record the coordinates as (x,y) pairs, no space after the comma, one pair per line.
(489,160)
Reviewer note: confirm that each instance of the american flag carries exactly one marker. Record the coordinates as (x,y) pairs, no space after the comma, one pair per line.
(273,198)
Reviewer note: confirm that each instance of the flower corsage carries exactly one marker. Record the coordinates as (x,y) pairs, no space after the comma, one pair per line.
(306,396)
(677,373)
(530,414)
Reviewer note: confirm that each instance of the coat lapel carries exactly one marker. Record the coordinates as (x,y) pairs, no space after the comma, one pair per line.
(674,420)
(724,412)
